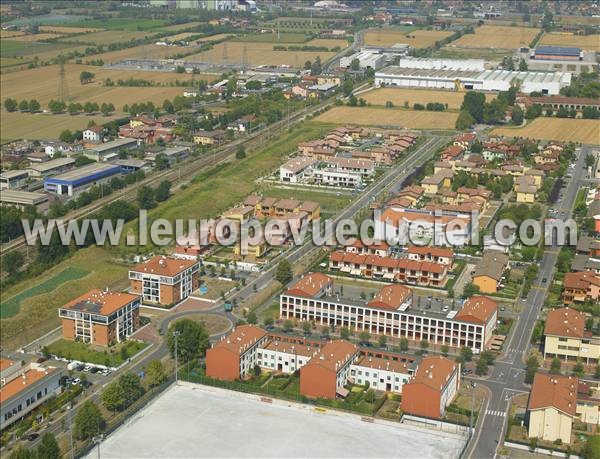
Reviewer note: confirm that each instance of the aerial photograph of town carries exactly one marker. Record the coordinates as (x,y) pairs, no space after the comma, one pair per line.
(299,229)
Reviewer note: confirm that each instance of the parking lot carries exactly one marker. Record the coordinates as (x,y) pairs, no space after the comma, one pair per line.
(201,421)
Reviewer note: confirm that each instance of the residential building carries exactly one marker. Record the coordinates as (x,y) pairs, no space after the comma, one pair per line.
(440,255)
(93,134)
(526,189)
(100,317)
(489,270)
(552,407)
(581,286)
(165,280)
(432,388)
(24,388)
(327,372)
(296,169)
(363,167)
(384,372)
(215,137)
(390,312)
(337,178)
(235,355)
(566,337)
(422,273)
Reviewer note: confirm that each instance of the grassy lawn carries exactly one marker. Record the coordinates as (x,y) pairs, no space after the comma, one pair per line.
(38,309)
(113,356)
(215,287)
(391,408)
(10,307)
(214,324)
(331,202)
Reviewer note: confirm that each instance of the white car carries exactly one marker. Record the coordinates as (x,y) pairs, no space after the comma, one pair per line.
(75,381)
(87,368)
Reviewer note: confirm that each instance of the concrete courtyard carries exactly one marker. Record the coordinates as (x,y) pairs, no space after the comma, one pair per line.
(200,421)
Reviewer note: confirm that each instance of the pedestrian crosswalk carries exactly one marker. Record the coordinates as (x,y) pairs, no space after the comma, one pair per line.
(495,413)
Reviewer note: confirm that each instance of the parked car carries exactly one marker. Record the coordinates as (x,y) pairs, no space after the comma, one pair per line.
(32,436)
(105,372)
(87,368)
(95,370)
(75,381)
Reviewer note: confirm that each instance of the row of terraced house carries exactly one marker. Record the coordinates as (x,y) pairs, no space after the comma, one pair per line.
(428,385)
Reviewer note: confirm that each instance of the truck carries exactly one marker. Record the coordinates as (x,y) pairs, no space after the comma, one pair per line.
(72,365)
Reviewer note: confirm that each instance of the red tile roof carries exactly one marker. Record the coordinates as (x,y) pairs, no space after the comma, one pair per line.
(310,284)
(565,322)
(164,266)
(434,371)
(478,309)
(241,339)
(555,391)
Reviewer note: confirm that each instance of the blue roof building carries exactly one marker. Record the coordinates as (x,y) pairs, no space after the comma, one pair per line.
(77,180)
(557,53)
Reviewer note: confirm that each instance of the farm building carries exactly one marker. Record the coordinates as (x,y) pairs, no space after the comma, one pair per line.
(75,181)
(488,80)
(473,65)
(557,53)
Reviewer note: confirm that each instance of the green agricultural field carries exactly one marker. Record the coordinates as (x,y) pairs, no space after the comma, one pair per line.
(10,307)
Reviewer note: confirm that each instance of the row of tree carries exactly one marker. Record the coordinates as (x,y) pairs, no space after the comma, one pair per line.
(57,106)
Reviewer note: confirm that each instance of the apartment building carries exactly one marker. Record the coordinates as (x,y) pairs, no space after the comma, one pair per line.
(294,170)
(390,312)
(489,270)
(440,255)
(100,317)
(449,228)
(327,372)
(381,373)
(567,338)
(422,273)
(235,355)
(552,407)
(582,286)
(330,176)
(25,387)
(324,367)
(165,280)
(432,388)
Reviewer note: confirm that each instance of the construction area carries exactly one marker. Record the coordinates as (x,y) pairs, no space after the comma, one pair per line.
(192,420)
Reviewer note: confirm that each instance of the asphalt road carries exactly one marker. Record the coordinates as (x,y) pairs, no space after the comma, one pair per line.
(508,374)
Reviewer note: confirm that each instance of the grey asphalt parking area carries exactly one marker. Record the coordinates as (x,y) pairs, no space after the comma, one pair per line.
(201,421)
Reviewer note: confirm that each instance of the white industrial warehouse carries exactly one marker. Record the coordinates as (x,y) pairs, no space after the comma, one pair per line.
(444,74)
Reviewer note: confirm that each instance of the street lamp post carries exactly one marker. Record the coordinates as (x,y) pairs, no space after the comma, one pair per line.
(97,440)
(473,385)
(176,334)
(72,455)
